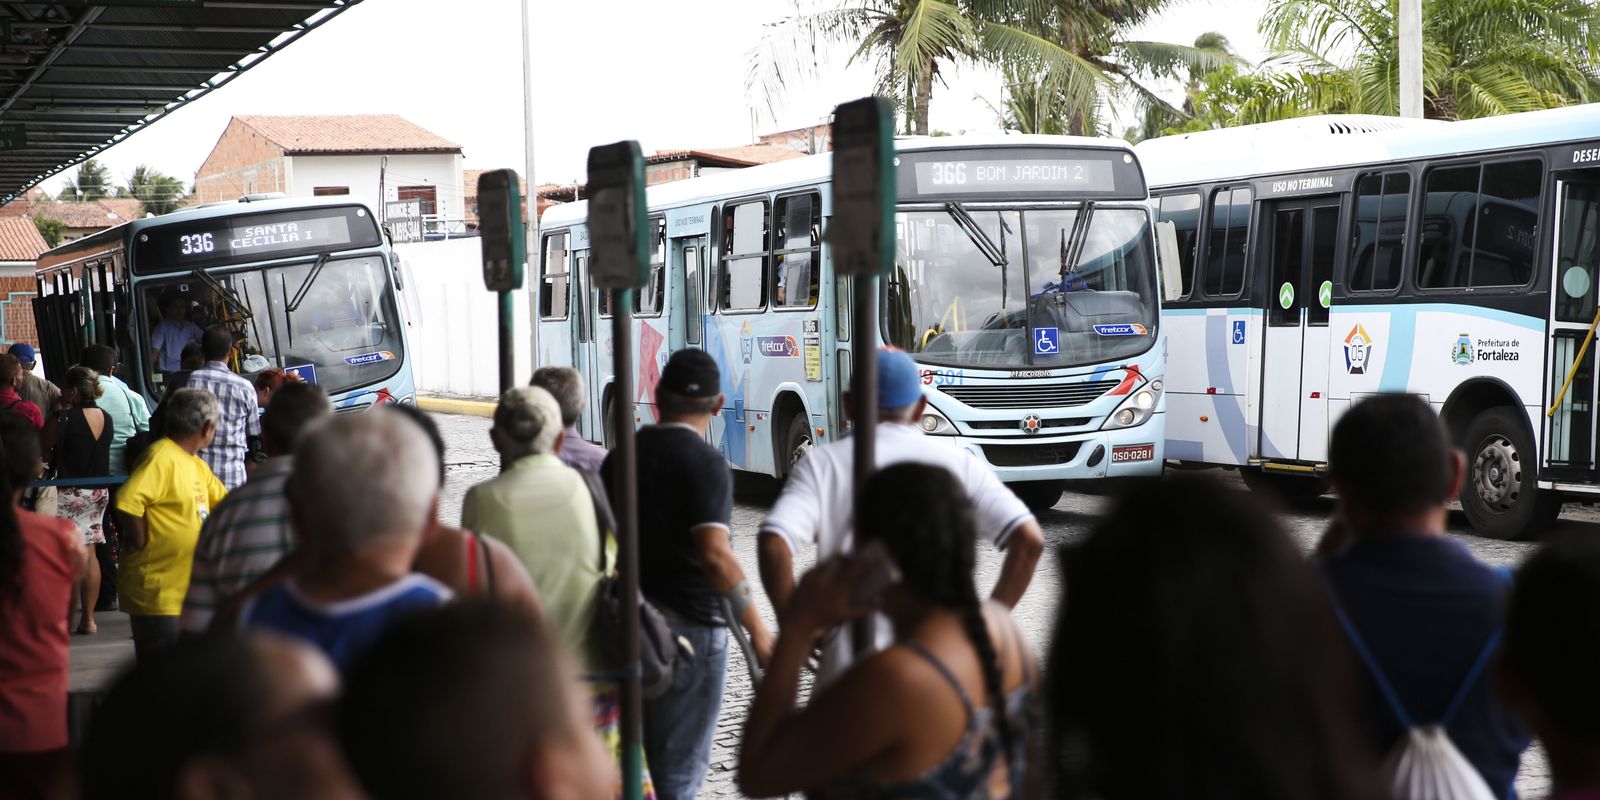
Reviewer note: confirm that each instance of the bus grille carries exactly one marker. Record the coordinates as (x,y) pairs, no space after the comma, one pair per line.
(1031,455)
(1038,396)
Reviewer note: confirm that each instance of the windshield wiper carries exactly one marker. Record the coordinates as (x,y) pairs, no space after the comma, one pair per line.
(224,293)
(305,286)
(1072,245)
(979,239)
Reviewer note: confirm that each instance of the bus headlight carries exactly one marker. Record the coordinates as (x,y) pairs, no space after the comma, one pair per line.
(935,424)
(1136,409)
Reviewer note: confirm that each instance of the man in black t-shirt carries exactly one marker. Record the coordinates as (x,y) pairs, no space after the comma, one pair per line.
(687,567)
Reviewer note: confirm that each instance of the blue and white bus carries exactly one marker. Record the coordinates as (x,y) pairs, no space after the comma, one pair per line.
(1328,258)
(1025,285)
(308,286)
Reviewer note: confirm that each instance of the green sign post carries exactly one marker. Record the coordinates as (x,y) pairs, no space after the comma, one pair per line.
(13,136)
(505,252)
(619,250)
(861,235)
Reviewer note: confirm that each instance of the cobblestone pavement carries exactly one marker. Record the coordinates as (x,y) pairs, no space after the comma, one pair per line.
(471,459)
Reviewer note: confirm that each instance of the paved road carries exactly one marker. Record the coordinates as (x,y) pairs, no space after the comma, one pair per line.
(472,459)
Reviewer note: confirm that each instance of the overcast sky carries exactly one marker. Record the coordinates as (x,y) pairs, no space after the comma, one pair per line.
(668,74)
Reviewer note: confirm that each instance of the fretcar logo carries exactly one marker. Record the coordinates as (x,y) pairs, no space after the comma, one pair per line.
(1122,329)
(1133,452)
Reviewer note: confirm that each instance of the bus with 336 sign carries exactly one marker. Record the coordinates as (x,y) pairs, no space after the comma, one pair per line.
(306,286)
(1025,285)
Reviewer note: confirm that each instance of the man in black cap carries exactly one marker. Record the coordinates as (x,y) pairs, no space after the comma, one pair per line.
(687,567)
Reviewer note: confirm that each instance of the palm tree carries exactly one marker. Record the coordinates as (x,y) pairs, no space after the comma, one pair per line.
(157,192)
(1081,52)
(905,41)
(92,182)
(1480,57)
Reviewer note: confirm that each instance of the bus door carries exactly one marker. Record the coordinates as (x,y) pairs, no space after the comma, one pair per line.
(586,339)
(1301,249)
(1570,431)
(688,265)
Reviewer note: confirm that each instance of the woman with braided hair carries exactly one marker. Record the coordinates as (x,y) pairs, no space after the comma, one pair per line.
(944,712)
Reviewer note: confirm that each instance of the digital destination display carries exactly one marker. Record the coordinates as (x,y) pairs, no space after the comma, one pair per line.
(1028,172)
(979,176)
(253,237)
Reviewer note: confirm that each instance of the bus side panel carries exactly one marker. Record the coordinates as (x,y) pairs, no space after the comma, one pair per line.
(1207,380)
(651,349)
(555,343)
(1432,349)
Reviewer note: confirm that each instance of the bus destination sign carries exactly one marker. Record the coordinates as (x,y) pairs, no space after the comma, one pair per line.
(253,237)
(1013,172)
(976,176)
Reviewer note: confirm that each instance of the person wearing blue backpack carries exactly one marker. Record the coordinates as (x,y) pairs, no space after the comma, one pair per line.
(1422,614)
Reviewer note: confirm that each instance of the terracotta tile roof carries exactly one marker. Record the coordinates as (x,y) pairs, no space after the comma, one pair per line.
(747,155)
(469,181)
(92,214)
(348,133)
(20,240)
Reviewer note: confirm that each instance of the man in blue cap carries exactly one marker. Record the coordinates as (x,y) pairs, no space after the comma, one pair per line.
(34,389)
(817,504)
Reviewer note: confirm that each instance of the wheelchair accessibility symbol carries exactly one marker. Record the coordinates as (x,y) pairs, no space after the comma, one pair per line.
(1046,341)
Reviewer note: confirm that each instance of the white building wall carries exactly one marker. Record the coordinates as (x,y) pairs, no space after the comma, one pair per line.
(454,333)
(361,173)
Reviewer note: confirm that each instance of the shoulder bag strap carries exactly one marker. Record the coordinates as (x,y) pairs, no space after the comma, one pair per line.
(472,561)
(1389,694)
(604,521)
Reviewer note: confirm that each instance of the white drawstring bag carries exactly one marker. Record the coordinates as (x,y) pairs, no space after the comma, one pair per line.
(1425,764)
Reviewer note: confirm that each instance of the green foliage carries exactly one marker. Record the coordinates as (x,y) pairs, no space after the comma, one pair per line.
(1480,57)
(156,192)
(92,182)
(51,229)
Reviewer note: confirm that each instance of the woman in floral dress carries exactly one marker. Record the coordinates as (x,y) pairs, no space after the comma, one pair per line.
(81,434)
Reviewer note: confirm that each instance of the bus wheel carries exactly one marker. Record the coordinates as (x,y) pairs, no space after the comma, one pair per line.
(1038,495)
(1500,493)
(797,443)
(1290,488)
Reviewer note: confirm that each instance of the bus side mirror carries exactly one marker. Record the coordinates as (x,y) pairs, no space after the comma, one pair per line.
(1167,257)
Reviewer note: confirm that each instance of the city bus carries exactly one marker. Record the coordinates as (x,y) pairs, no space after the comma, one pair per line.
(1326,259)
(1025,285)
(307,286)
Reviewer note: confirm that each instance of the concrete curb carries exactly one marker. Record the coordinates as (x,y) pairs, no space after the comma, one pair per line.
(455,405)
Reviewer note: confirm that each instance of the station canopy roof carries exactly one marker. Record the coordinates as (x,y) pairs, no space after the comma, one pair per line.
(78,77)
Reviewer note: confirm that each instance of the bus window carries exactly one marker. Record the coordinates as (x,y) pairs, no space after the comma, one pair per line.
(580,260)
(798,246)
(1324,239)
(648,299)
(1579,252)
(1479,225)
(691,294)
(553,293)
(1183,211)
(744,265)
(1230,224)
(1377,235)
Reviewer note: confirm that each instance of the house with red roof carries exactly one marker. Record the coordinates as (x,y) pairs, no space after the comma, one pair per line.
(378,158)
(20,246)
(90,216)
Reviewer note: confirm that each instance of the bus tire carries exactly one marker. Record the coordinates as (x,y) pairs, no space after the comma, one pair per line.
(1039,495)
(1500,492)
(1289,488)
(608,423)
(797,443)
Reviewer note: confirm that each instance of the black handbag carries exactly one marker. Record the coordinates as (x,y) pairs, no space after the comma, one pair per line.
(659,650)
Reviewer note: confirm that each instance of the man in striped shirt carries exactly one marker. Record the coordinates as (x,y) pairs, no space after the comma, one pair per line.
(249,531)
(236,398)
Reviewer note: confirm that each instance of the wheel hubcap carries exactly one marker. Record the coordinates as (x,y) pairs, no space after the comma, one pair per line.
(1497,474)
(801,449)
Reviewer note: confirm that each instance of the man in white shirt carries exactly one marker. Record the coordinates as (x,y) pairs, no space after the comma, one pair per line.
(817,502)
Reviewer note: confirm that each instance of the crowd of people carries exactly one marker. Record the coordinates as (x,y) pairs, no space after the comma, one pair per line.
(305,625)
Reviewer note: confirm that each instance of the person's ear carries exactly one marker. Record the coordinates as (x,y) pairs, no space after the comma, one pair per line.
(1458,471)
(721,401)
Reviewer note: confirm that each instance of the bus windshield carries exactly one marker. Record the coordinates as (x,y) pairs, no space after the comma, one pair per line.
(344,334)
(1027,288)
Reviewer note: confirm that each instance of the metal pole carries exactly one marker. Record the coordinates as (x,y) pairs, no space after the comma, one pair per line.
(864,412)
(507,347)
(1410,42)
(626,495)
(530,197)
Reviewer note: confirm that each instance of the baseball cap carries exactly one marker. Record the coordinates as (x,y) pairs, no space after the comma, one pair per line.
(899,379)
(24,352)
(691,373)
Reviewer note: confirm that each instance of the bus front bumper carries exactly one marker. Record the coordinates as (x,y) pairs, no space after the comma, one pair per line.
(1126,452)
